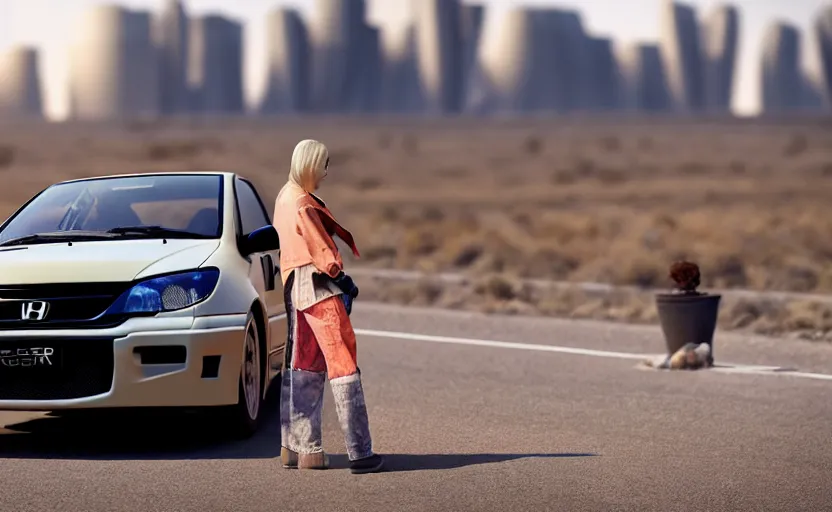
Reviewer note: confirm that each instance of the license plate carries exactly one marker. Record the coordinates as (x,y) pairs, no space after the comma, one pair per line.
(29,358)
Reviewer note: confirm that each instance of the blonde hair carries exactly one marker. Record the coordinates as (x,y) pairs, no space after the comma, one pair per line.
(309,161)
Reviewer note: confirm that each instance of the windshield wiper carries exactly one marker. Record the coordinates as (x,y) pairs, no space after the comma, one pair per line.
(156,231)
(56,236)
(22,240)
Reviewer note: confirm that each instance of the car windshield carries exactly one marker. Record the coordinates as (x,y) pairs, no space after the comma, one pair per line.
(187,205)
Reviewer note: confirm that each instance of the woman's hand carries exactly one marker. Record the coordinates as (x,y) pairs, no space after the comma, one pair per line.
(346,284)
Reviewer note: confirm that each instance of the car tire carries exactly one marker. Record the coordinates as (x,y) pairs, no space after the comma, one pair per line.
(244,417)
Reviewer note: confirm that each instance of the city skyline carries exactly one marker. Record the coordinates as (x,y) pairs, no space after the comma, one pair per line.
(754,21)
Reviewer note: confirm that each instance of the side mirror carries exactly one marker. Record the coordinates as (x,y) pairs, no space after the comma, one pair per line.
(260,240)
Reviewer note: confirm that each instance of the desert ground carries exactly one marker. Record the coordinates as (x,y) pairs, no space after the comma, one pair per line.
(612,201)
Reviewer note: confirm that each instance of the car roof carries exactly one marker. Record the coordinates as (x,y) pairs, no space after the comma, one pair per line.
(148,174)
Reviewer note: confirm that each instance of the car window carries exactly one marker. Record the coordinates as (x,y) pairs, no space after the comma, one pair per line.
(253,214)
(178,215)
(185,202)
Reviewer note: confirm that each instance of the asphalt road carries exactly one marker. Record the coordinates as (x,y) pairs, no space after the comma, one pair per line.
(470,426)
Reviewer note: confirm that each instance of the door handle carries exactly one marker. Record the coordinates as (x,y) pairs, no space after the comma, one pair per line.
(268,266)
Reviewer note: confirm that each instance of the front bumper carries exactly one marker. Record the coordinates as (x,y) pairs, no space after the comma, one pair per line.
(178,361)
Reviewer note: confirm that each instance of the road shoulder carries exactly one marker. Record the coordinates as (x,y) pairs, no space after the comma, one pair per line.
(729,347)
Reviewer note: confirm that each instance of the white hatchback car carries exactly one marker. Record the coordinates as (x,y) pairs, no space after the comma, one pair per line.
(142,290)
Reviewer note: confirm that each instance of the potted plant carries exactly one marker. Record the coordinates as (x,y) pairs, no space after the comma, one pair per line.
(687,315)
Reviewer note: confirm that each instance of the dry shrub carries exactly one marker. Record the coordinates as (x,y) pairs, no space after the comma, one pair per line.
(729,272)
(497,287)
(693,169)
(369,183)
(7,156)
(533,145)
(737,168)
(452,172)
(343,156)
(611,143)
(173,150)
(467,255)
(385,141)
(551,263)
(433,214)
(611,176)
(796,146)
(376,253)
(410,144)
(417,243)
(563,177)
(641,272)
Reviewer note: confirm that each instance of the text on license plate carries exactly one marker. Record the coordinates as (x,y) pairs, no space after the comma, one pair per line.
(27,357)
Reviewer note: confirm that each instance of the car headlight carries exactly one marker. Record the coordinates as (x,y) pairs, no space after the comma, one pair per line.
(167,293)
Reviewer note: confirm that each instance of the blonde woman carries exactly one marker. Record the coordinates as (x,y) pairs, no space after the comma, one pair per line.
(321,342)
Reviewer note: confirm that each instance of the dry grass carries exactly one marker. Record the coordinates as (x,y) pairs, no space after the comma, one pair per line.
(609,201)
(495,294)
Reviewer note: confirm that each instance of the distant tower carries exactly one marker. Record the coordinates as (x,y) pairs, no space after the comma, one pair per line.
(364,76)
(114,66)
(540,59)
(813,99)
(400,87)
(603,81)
(471,22)
(172,40)
(335,32)
(682,55)
(142,65)
(720,35)
(440,54)
(215,65)
(643,79)
(823,36)
(781,78)
(20,85)
(369,72)
(287,78)
(570,62)
(514,75)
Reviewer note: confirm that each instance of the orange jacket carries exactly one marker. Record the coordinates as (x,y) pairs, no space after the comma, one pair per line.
(306,228)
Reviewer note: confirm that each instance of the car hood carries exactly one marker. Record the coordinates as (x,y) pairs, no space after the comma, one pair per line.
(100,261)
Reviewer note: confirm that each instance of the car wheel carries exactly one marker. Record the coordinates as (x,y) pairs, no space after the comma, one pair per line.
(245,416)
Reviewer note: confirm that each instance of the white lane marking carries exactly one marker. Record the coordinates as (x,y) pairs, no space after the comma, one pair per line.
(719,368)
(499,344)
(807,375)
(750,370)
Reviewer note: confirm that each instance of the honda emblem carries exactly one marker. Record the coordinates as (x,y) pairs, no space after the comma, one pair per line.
(34,310)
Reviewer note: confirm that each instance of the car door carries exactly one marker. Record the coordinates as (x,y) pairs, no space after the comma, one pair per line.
(264,272)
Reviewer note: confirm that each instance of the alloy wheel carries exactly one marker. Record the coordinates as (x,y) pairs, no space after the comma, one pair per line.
(251,372)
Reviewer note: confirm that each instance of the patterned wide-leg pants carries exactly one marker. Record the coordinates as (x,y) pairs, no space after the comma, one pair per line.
(321,344)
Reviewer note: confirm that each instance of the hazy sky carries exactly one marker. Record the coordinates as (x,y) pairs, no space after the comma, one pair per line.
(50,25)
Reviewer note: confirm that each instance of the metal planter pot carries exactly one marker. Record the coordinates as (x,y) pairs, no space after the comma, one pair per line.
(687,319)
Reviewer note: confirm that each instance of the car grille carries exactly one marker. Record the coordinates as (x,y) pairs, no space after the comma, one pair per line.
(70,305)
(55,368)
